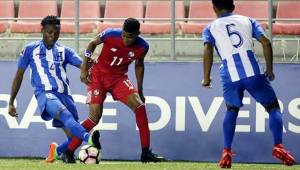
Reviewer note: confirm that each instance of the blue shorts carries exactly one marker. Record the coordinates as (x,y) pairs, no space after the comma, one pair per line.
(61,102)
(257,86)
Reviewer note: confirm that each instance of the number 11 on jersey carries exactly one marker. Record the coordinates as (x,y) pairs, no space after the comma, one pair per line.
(116,61)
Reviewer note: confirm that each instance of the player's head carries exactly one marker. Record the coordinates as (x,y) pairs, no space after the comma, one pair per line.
(223,6)
(131,30)
(50,30)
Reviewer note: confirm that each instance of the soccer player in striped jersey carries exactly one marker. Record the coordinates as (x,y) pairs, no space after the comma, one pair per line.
(231,35)
(48,60)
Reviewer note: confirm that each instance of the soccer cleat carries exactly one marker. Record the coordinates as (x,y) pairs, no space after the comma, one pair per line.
(52,155)
(94,139)
(225,161)
(68,157)
(283,155)
(148,156)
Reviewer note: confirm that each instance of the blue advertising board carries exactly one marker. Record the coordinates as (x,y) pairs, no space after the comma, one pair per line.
(185,118)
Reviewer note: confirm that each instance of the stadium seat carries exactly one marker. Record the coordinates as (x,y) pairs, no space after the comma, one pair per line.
(120,9)
(87,9)
(198,9)
(161,9)
(32,9)
(253,9)
(287,10)
(7,10)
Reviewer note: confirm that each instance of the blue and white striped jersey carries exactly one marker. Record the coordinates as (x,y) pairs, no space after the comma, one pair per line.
(48,66)
(232,36)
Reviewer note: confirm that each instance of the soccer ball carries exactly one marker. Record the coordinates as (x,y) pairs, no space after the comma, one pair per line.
(89,155)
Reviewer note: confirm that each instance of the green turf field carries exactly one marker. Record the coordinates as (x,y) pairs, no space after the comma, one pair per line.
(38,164)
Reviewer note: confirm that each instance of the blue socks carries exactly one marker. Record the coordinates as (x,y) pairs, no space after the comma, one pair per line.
(229,128)
(63,147)
(74,127)
(275,125)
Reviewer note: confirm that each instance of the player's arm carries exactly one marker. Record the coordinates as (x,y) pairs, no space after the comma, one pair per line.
(139,73)
(268,54)
(207,64)
(259,34)
(87,59)
(14,91)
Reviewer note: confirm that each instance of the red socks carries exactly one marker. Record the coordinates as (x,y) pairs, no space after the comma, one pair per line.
(142,123)
(75,142)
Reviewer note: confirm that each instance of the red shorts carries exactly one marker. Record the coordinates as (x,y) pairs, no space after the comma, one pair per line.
(120,88)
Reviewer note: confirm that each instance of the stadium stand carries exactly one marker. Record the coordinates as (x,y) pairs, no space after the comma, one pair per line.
(120,9)
(161,9)
(254,9)
(7,10)
(87,9)
(287,10)
(32,9)
(198,9)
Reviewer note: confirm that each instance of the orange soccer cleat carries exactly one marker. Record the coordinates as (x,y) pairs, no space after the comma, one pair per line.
(225,161)
(52,155)
(283,155)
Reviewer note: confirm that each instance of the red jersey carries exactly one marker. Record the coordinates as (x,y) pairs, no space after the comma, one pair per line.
(115,57)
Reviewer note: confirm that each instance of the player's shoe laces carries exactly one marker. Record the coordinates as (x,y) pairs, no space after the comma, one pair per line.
(148,156)
(94,139)
(68,157)
(283,155)
(226,158)
(52,155)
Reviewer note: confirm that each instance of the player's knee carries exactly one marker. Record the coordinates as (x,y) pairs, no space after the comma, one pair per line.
(272,106)
(134,101)
(233,109)
(65,115)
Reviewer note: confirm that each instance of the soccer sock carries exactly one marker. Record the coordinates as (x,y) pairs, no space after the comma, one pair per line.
(142,123)
(229,128)
(275,125)
(63,147)
(74,127)
(75,142)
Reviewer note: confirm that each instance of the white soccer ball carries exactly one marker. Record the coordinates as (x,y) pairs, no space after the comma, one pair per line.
(89,155)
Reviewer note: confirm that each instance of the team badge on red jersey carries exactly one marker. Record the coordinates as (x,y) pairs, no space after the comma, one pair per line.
(130,54)
(96,92)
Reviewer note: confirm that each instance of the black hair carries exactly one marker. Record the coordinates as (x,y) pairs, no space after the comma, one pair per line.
(50,20)
(224,4)
(131,25)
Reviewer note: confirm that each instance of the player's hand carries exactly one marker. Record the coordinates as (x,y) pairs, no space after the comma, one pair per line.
(206,83)
(84,77)
(12,111)
(141,94)
(270,75)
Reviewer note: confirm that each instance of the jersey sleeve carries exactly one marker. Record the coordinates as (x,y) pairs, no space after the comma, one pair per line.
(207,36)
(24,58)
(146,48)
(257,30)
(72,57)
(104,34)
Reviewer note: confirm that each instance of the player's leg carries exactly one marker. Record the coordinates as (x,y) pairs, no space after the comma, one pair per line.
(89,123)
(58,111)
(127,94)
(260,88)
(95,101)
(56,151)
(233,95)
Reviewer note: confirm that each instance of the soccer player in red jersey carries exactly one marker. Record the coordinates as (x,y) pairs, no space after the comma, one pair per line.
(109,74)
